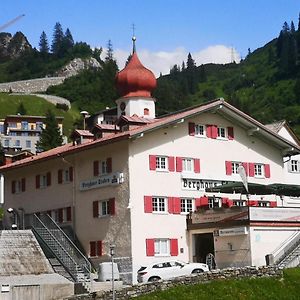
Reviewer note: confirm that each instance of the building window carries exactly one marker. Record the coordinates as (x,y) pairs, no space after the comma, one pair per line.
(214,202)
(259,170)
(294,166)
(28,144)
(161,163)
(24,125)
(95,248)
(104,208)
(188,165)
(42,181)
(17,143)
(186,205)
(102,167)
(12,125)
(162,247)
(239,203)
(159,204)
(263,204)
(6,143)
(39,125)
(200,130)
(222,133)
(235,166)
(18,186)
(1,128)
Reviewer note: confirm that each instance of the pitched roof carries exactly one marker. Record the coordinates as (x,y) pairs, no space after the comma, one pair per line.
(219,106)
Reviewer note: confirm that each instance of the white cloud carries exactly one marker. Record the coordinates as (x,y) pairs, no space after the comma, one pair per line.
(162,61)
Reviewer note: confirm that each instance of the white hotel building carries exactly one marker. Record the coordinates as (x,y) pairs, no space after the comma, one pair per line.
(135,185)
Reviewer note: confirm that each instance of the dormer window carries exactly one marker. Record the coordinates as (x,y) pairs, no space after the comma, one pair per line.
(146,111)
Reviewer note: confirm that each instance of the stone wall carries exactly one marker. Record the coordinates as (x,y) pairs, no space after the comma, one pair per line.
(140,289)
(31,85)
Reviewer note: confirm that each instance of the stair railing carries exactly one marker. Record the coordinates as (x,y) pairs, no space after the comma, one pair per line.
(286,247)
(73,254)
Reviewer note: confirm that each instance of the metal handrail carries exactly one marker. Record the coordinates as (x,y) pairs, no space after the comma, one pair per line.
(286,247)
(78,258)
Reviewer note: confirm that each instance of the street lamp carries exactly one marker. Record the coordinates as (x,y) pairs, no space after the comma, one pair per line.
(85,115)
(112,253)
(15,214)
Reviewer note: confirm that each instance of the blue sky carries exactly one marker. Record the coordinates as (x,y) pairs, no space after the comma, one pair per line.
(166,30)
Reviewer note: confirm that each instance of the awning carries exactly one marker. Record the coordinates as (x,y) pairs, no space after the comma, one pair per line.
(259,189)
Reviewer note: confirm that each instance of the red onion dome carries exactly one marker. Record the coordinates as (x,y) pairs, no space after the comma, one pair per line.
(135,80)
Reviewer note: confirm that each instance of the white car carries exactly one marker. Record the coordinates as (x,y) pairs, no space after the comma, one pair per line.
(169,269)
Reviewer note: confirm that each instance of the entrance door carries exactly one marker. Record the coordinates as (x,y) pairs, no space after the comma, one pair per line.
(204,244)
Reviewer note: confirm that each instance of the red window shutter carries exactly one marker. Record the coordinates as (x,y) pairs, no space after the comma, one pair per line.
(92,248)
(229,202)
(150,247)
(152,162)
(230,133)
(69,214)
(204,201)
(251,169)
(178,164)
(196,165)
(176,205)
(96,167)
(226,202)
(170,205)
(208,131)
(48,175)
(60,176)
(109,165)
(13,186)
(214,131)
(273,204)
(37,181)
(71,174)
(191,128)
(23,184)
(99,248)
(245,165)
(174,247)
(171,163)
(60,215)
(228,167)
(267,171)
(252,203)
(197,202)
(95,209)
(112,206)
(148,208)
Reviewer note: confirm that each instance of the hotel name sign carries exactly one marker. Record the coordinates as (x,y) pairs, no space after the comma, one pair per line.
(192,184)
(102,181)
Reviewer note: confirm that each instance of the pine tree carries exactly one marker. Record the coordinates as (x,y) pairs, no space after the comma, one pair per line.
(68,42)
(21,109)
(190,64)
(110,51)
(292,28)
(43,44)
(183,66)
(299,23)
(58,38)
(50,136)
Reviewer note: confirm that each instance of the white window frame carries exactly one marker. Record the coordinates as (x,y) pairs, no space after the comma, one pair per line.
(222,133)
(159,204)
(214,202)
(259,171)
(235,165)
(239,203)
(186,205)
(200,130)
(294,166)
(28,144)
(103,208)
(65,175)
(161,163)
(162,247)
(187,165)
(18,186)
(43,181)
(264,204)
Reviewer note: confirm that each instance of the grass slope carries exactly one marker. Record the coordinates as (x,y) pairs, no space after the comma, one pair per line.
(36,106)
(243,289)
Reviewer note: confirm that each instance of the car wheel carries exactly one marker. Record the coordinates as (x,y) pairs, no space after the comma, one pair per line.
(153,279)
(197,271)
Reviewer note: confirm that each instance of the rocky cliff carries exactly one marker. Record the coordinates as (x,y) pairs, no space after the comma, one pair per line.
(12,47)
